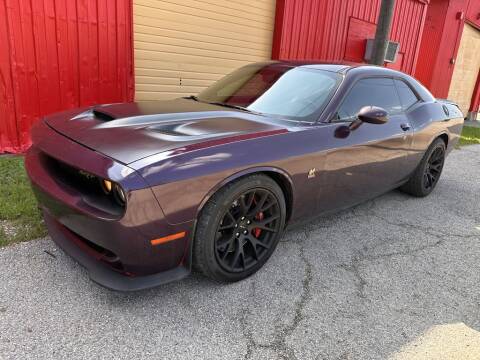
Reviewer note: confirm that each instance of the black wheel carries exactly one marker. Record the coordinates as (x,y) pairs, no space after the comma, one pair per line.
(428,172)
(239,228)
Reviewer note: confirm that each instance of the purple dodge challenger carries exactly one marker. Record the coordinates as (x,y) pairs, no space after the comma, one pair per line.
(141,193)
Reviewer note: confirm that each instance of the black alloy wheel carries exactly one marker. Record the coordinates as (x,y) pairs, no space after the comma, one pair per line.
(247,230)
(434,168)
(427,174)
(239,228)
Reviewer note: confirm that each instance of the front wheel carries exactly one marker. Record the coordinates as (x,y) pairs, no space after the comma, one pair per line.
(427,174)
(239,228)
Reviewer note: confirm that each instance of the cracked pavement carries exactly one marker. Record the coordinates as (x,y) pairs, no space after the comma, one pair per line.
(396,277)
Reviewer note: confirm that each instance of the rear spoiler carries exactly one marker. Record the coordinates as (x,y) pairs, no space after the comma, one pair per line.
(447,101)
(450,107)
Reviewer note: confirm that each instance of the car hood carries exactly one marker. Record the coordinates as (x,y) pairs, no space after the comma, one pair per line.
(131,131)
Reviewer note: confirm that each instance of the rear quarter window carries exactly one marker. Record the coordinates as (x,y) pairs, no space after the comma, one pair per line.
(406,94)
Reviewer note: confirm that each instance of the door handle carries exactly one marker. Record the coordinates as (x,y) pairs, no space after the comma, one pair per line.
(405,127)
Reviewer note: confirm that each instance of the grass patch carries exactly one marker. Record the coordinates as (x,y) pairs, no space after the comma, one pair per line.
(470,136)
(20,219)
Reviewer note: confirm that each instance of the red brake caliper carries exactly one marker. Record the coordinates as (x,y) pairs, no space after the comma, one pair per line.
(258,231)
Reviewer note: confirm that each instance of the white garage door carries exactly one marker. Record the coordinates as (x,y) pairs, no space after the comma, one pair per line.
(182,46)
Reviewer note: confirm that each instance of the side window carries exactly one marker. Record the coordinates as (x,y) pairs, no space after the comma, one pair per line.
(373,91)
(407,96)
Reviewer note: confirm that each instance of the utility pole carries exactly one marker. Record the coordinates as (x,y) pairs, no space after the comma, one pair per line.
(383,31)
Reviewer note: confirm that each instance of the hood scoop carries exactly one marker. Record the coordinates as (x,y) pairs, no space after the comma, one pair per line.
(128,132)
(102,115)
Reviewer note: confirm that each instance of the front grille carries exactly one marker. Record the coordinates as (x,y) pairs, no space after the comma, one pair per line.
(80,180)
(85,184)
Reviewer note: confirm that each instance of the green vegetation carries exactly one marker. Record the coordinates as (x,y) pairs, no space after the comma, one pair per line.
(470,135)
(20,219)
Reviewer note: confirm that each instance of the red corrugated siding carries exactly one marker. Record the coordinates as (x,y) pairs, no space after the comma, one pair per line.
(58,55)
(319,29)
(473,13)
(439,46)
(432,36)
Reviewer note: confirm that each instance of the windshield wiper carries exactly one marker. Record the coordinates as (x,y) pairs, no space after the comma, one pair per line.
(219,103)
(191,97)
(238,107)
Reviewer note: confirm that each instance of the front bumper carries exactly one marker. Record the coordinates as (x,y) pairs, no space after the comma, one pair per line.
(116,250)
(98,270)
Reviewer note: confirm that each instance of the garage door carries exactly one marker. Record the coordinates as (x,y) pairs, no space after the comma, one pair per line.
(466,68)
(182,46)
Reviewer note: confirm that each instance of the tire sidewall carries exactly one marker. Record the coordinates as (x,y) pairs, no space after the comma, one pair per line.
(438,143)
(213,213)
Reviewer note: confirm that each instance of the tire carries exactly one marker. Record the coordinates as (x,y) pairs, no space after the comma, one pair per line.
(228,246)
(427,174)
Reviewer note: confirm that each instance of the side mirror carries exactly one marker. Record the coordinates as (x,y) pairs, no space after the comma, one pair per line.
(373,115)
(367,114)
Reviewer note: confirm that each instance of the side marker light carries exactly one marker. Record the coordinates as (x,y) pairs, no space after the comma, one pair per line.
(168,238)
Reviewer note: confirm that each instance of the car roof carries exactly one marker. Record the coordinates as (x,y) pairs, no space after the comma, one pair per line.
(334,66)
(354,69)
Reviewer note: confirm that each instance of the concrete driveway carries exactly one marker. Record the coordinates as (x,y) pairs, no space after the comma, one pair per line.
(396,277)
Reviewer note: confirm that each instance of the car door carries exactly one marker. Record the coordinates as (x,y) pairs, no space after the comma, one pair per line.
(371,159)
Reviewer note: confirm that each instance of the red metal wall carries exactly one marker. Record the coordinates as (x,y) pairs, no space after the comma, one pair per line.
(432,37)
(440,42)
(337,30)
(60,54)
(473,18)
(473,13)
(475,103)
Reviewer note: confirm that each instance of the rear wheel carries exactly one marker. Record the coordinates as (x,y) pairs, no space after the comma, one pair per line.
(239,228)
(427,174)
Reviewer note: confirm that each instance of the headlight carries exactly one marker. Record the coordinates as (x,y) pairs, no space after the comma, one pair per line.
(114,190)
(107,186)
(119,195)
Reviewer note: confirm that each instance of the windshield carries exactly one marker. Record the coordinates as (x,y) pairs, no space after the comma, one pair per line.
(297,93)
